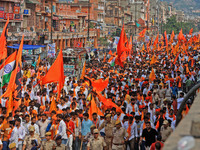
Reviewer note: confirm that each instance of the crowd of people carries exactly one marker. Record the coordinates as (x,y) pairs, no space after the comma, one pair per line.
(142,114)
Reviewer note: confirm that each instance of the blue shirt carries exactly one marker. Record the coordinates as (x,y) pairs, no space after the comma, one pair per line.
(86,127)
(174,90)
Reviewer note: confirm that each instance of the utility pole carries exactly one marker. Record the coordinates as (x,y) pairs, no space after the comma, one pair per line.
(88,38)
(51,20)
(158,15)
(135,17)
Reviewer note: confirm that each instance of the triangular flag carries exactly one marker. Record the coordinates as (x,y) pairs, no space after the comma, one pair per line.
(152,75)
(83,71)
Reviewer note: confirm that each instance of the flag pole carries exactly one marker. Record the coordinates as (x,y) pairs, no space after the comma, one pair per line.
(2,77)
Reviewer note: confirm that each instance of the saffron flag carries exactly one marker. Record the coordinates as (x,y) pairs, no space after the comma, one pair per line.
(152,75)
(110,52)
(3,49)
(120,46)
(56,73)
(83,71)
(94,109)
(38,61)
(181,37)
(53,105)
(172,37)
(156,41)
(153,60)
(191,31)
(142,33)
(166,40)
(99,85)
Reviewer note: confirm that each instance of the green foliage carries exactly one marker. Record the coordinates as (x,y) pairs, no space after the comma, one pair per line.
(173,25)
(91,25)
(103,41)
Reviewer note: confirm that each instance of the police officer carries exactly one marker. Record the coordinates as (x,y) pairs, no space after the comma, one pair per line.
(59,145)
(109,125)
(12,146)
(119,136)
(96,143)
(31,140)
(48,144)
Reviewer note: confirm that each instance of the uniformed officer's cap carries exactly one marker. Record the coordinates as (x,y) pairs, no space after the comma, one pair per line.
(93,126)
(108,115)
(31,128)
(117,122)
(96,131)
(12,145)
(48,134)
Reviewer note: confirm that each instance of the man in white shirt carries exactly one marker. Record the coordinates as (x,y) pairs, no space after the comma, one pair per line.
(180,100)
(14,133)
(63,104)
(62,129)
(33,123)
(132,107)
(21,133)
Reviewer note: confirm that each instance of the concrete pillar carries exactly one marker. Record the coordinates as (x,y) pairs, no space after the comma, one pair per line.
(68,43)
(64,43)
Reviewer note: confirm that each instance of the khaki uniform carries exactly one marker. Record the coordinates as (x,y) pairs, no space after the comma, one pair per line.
(61,147)
(28,139)
(165,133)
(96,144)
(109,132)
(118,138)
(48,145)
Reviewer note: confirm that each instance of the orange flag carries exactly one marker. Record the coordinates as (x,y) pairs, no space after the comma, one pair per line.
(107,103)
(12,86)
(142,33)
(153,60)
(120,45)
(181,37)
(156,41)
(104,59)
(152,75)
(83,71)
(176,57)
(166,40)
(3,49)
(99,85)
(110,52)
(94,109)
(123,57)
(9,105)
(191,31)
(56,73)
(38,61)
(172,36)
(53,105)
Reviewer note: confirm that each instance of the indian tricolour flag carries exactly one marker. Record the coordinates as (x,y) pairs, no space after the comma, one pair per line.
(111,61)
(6,69)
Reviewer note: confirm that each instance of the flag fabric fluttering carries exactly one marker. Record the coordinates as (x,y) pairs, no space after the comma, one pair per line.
(94,109)
(83,71)
(181,37)
(152,75)
(156,41)
(142,33)
(3,48)
(56,73)
(7,68)
(191,31)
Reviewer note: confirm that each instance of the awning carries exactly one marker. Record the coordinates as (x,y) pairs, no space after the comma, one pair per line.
(26,47)
(32,1)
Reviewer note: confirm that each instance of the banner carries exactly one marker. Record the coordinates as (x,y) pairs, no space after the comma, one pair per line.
(1,12)
(51,50)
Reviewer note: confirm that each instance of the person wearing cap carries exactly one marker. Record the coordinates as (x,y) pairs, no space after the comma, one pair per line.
(59,145)
(12,146)
(108,124)
(33,123)
(31,140)
(97,142)
(119,136)
(48,144)
(165,130)
(90,134)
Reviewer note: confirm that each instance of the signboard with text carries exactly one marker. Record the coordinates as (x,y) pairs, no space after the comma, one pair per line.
(51,50)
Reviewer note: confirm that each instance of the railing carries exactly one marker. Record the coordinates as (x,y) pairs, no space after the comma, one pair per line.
(188,95)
